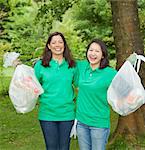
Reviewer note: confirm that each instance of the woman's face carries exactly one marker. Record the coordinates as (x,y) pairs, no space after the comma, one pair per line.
(94,54)
(56,45)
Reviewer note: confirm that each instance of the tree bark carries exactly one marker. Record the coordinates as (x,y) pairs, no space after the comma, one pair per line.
(128,39)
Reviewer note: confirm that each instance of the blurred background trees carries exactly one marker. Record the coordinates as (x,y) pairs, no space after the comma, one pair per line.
(25,24)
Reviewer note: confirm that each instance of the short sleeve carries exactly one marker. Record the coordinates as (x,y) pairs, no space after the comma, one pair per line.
(37,70)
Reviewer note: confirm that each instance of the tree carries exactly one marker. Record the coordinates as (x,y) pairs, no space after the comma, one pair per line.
(67,27)
(92,19)
(51,10)
(128,39)
(25,24)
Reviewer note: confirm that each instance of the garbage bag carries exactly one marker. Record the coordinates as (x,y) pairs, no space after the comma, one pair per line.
(24,89)
(126,92)
(9,59)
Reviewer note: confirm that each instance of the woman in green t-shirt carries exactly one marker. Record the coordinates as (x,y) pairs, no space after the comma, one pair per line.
(93,113)
(56,73)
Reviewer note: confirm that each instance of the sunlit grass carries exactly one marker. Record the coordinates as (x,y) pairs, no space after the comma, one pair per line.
(19,131)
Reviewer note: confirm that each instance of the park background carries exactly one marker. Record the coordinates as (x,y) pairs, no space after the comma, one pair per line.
(24,28)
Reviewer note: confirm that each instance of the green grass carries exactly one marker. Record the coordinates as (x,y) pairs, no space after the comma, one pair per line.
(19,131)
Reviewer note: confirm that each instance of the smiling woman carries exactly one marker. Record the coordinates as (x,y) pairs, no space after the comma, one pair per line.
(94,55)
(57,47)
(56,72)
(93,113)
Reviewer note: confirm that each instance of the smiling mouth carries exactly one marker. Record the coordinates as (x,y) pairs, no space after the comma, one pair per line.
(58,49)
(92,58)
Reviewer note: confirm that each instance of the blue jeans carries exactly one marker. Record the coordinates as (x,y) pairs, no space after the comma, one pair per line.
(56,134)
(92,138)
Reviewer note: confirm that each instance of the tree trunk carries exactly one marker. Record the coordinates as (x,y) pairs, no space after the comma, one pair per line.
(128,39)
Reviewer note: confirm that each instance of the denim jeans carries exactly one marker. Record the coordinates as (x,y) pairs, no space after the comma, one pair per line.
(56,134)
(92,138)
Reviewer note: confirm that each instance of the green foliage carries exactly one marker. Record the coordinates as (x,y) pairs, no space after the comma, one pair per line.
(141,10)
(54,8)
(4,47)
(93,20)
(75,42)
(4,83)
(25,24)
(50,10)
(19,26)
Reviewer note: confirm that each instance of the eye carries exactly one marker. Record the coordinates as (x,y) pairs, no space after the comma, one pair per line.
(61,42)
(97,51)
(53,42)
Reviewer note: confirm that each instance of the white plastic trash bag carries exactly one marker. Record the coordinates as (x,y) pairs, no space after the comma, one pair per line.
(126,93)
(24,89)
(9,59)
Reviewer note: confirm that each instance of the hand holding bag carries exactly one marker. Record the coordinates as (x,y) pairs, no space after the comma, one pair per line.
(24,89)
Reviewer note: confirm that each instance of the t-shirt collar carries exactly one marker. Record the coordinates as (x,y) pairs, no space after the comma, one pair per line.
(56,62)
(90,69)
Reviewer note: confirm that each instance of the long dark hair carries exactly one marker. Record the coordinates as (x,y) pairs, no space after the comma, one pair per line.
(47,54)
(104,61)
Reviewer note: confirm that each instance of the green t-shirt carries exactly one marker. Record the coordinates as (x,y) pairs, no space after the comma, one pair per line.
(56,103)
(92,105)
